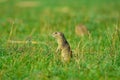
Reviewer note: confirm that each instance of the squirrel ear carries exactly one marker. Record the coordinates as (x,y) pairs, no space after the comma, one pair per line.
(61,34)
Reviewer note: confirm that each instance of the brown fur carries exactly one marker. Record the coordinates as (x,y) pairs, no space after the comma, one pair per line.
(63,46)
(81,30)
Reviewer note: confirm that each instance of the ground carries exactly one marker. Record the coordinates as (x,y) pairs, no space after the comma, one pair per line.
(96,57)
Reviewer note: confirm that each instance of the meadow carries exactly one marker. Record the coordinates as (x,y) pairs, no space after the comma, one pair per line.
(96,57)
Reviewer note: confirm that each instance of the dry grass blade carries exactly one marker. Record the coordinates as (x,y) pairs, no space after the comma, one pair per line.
(22,42)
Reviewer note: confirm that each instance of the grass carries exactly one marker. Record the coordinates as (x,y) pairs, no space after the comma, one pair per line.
(96,57)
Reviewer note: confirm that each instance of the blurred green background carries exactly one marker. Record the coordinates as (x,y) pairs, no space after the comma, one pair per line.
(96,57)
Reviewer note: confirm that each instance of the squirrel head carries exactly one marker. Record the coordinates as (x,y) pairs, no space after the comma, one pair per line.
(58,35)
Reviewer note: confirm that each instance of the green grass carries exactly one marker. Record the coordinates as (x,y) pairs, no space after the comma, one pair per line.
(96,57)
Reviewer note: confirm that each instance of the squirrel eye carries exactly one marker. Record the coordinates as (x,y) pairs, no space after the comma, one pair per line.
(55,32)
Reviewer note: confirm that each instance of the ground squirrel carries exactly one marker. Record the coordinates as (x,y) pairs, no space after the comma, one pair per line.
(81,30)
(63,46)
